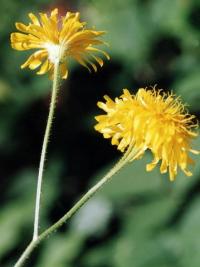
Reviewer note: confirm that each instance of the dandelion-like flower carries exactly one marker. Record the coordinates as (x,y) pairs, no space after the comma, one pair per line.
(151,120)
(56,39)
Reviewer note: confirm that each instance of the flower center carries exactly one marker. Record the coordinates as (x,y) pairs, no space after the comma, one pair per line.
(55,52)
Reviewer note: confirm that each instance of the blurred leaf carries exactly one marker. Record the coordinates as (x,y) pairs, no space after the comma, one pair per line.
(4,90)
(188,88)
(189,237)
(169,17)
(115,16)
(152,253)
(99,256)
(17,215)
(93,217)
(132,179)
(61,250)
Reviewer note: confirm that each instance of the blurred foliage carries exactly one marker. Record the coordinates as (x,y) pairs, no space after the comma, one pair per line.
(139,219)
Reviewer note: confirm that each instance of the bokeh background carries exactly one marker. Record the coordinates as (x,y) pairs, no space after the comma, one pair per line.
(139,219)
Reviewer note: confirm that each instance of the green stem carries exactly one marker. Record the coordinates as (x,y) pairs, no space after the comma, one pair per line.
(125,159)
(44,150)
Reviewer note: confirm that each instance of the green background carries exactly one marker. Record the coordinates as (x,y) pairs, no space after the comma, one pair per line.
(139,219)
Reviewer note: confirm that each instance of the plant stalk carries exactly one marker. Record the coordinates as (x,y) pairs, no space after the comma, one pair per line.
(121,163)
(44,149)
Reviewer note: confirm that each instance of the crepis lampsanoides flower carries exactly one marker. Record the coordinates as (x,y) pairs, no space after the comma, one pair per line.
(56,39)
(154,120)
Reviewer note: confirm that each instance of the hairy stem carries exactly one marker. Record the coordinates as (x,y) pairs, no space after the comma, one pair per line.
(44,150)
(123,161)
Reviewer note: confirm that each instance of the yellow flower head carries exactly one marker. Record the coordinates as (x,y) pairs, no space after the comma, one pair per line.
(150,120)
(56,39)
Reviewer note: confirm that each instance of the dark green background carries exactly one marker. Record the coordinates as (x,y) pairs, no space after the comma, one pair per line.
(139,219)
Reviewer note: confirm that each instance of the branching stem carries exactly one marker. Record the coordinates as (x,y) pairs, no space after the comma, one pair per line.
(121,163)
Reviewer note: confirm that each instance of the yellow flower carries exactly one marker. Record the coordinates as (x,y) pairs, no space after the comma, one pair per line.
(151,120)
(56,39)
